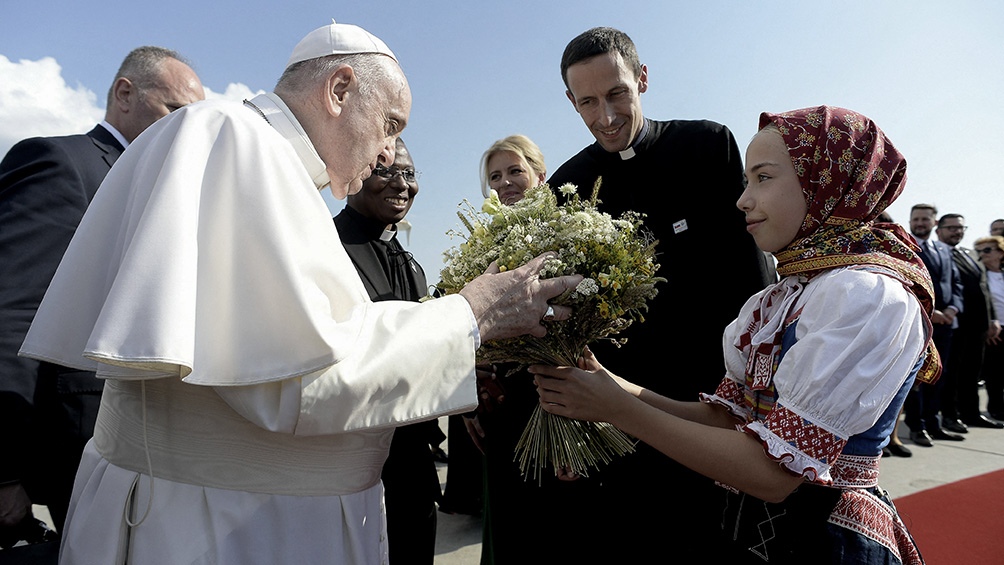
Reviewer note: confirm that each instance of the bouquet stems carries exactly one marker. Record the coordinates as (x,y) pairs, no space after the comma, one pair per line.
(574,445)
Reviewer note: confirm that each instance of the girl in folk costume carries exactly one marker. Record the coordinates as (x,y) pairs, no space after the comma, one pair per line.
(817,366)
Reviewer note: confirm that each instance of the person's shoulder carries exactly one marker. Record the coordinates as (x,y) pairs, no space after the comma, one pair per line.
(207,120)
(573,169)
(54,149)
(207,109)
(42,141)
(342,220)
(862,280)
(704,127)
(869,294)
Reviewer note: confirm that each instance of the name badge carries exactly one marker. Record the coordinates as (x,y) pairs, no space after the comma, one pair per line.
(679,226)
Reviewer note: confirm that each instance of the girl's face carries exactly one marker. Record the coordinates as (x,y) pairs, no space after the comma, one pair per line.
(773,201)
(510,176)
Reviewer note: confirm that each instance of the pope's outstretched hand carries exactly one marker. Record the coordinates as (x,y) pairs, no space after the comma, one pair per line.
(513,303)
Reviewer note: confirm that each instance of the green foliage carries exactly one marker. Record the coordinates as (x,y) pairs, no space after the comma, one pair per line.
(617,259)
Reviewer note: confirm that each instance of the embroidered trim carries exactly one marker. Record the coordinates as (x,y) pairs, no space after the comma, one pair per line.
(804,435)
(864,513)
(855,471)
(736,410)
(798,444)
(730,391)
(789,457)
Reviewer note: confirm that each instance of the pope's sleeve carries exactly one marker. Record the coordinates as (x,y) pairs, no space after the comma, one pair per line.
(413,362)
(209,255)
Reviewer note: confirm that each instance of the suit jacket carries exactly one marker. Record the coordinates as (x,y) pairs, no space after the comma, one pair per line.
(944,275)
(975,319)
(46,184)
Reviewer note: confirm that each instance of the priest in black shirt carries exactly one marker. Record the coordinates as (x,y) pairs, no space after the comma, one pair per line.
(367,227)
(686,177)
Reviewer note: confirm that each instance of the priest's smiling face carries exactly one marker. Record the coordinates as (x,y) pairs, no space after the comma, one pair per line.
(607,95)
(387,195)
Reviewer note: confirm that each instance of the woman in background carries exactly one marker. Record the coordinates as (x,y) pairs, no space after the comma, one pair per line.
(991,250)
(514,530)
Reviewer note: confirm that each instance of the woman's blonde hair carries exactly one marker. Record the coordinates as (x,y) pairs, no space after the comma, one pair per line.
(995,240)
(520,145)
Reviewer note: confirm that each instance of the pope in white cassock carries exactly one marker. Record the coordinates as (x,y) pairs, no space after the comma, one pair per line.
(251,385)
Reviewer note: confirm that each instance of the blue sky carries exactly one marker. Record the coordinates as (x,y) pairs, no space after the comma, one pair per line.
(929,73)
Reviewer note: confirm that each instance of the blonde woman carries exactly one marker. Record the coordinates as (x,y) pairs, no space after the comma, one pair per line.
(510,166)
(991,251)
(517,512)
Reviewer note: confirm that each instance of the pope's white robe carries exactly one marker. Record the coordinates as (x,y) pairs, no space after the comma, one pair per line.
(247,370)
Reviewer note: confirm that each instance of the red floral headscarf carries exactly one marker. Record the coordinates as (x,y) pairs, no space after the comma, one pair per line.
(850,173)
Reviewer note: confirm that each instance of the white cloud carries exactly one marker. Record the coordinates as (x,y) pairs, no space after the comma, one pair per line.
(234,91)
(36,101)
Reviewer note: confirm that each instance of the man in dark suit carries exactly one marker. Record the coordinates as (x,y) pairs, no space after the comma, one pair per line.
(685,176)
(47,412)
(924,401)
(961,406)
(368,229)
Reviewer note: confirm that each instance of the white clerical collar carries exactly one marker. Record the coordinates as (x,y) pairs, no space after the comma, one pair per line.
(404,226)
(279,116)
(387,235)
(630,152)
(115,133)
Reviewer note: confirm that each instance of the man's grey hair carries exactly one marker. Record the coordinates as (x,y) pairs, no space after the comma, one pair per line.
(142,67)
(371,70)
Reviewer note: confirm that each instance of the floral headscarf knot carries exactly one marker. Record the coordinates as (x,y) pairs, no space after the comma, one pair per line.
(850,172)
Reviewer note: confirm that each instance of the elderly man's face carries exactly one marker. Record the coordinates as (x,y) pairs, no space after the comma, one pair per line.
(176,85)
(373,125)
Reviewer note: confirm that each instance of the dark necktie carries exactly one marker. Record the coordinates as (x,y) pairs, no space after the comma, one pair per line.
(966,259)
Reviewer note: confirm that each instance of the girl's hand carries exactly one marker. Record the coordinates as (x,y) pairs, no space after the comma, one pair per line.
(589,393)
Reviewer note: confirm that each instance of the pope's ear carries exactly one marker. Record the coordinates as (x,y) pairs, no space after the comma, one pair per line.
(341,82)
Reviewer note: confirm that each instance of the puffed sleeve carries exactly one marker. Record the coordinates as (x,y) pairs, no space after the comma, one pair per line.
(858,338)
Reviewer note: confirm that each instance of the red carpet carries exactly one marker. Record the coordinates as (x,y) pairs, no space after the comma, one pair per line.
(959,523)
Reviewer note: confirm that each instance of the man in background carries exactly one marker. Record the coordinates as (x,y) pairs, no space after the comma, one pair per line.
(47,411)
(923,402)
(961,404)
(997,227)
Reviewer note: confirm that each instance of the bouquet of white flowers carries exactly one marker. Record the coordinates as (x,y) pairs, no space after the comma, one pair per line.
(617,259)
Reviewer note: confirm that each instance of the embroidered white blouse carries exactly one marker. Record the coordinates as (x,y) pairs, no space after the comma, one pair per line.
(858,336)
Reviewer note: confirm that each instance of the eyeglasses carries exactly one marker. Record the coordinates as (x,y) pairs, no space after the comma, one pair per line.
(388,173)
(953,228)
(987,250)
